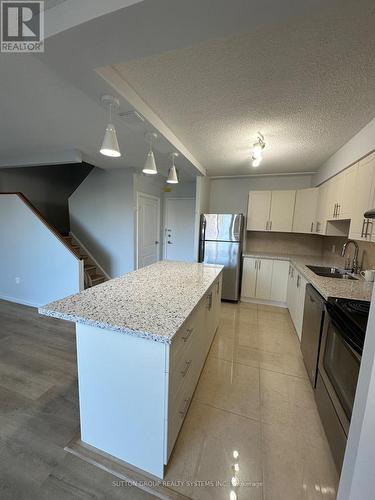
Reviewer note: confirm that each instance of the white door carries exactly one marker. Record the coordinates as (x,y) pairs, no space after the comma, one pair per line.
(179,229)
(249,277)
(304,220)
(264,279)
(258,210)
(282,210)
(148,229)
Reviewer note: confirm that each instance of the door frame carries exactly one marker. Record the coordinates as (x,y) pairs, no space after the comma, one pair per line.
(165,219)
(140,194)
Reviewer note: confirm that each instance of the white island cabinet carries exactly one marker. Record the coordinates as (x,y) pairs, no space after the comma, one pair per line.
(142,341)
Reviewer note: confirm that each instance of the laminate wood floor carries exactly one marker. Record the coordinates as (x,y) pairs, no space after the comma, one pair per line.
(39,414)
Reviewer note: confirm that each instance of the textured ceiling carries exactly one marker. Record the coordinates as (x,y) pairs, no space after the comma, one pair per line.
(307,83)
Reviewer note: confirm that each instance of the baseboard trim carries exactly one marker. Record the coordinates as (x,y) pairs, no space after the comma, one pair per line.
(90,255)
(274,303)
(23,302)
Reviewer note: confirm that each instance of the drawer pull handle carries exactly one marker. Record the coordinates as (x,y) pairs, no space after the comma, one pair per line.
(185,408)
(188,365)
(189,331)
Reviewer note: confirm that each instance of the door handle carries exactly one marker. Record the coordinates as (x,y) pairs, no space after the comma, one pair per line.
(188,365)
(260,264)
(156,243)
(363,228)
(267,225)
(312,227)
(169,242)
(270,225)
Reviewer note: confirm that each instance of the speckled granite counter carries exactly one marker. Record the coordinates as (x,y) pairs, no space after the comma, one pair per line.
(152,302)
(327,287)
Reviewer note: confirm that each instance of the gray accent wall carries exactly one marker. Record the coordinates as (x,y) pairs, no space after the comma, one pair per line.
(47,187)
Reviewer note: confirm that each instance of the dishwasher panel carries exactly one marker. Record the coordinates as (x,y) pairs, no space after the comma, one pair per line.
(313,317)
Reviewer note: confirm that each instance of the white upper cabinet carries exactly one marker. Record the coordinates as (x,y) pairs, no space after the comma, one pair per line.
(258,211)
(282,211)
(321,213)
(305,212)
(363,194)
(348,187)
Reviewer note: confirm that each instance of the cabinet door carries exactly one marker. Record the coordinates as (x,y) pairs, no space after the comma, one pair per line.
(282,210)
(291,292)
(249,277)
(258,210)
(305,211)
(321,218)
(348,186)
(333,186)
(363,198)
(264,279)
(300,304)
(279,283)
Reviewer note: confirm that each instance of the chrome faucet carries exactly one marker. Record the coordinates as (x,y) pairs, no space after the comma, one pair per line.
(355,266)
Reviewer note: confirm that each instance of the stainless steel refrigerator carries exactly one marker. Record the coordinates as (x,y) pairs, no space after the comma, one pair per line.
(220,242)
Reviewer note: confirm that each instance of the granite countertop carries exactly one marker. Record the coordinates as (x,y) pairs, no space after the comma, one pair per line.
(152,302)
(327,287)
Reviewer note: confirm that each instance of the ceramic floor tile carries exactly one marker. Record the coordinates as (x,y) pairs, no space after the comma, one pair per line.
(232,349)
(230,386)
(204,455)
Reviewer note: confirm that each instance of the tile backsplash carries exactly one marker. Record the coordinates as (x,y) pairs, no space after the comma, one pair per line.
(332,246)
(291,243)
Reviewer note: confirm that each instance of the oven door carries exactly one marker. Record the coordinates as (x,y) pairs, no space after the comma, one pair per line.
(339,364)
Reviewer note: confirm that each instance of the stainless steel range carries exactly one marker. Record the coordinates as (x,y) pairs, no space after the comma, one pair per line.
(340,356)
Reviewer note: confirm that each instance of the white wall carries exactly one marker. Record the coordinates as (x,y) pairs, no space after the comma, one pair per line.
(31,252)
(102,217)
(356,148)
(230,195)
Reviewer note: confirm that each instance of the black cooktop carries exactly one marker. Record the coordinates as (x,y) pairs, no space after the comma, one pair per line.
(352,316)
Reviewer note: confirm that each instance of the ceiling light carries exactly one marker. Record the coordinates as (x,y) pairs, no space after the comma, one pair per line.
(257,151)
(256,162)
(150,165)
(172,175)
(110,145)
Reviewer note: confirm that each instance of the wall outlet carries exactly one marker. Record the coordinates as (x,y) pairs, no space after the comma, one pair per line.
(333,249)
(18,280)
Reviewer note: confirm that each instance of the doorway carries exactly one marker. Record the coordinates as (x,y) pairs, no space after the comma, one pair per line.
(147,230)
(179,229)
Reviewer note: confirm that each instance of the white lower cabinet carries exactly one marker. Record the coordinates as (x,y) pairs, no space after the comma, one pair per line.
(264,279)
(296,298)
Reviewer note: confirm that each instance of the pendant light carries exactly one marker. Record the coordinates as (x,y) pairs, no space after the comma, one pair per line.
(110,145)
(150,165)
(172,175)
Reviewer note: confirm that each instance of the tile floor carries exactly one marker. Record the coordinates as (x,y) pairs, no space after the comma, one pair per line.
(254,397)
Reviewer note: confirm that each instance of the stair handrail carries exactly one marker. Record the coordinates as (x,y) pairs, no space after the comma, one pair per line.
(41,217)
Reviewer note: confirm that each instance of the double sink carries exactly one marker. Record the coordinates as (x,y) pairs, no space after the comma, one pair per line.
(332,272)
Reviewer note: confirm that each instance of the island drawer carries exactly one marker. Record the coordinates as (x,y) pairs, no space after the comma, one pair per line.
(185,337)
(178,409)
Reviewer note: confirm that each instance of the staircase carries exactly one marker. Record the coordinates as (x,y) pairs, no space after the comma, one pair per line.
(93,275)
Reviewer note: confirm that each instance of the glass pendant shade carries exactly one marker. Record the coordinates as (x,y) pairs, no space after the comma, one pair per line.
(110,145)
(172,176)
(150,165)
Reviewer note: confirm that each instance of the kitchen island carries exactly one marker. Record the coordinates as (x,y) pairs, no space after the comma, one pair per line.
(142,340)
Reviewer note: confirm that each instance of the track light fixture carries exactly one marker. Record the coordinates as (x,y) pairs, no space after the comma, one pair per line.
(150,165)
(257,152)
(110,145)
(172,175)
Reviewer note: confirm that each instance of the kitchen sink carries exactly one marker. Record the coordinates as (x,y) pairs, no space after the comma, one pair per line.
(332,272)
